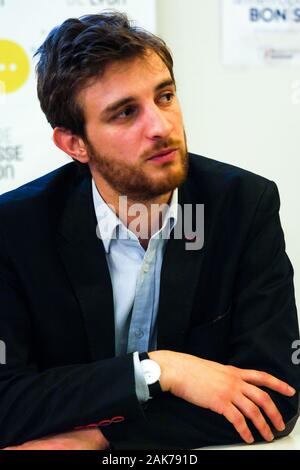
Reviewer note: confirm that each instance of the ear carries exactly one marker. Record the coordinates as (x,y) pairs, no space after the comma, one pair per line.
(71,144)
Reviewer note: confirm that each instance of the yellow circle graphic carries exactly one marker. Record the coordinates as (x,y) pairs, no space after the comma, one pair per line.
(14,66)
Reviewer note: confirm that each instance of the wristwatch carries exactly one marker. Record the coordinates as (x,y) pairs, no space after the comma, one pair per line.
(151,370)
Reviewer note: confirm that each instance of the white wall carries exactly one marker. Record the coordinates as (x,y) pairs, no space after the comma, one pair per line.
(243,116)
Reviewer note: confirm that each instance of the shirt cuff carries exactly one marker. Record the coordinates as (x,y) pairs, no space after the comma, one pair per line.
(141,388)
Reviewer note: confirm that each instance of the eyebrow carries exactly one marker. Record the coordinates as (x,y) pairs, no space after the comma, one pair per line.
(118,104)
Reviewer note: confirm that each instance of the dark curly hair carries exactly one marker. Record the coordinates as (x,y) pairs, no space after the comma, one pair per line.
(78,51)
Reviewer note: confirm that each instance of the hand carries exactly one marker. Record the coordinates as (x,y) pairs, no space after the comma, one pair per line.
(85,439)
(227,390)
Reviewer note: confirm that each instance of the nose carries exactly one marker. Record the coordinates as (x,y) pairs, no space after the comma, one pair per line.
(157,123)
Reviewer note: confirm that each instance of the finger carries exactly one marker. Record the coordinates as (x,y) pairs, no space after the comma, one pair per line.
(21,447)
(251,411)
(235,417)
(31,445)
(265,402)
(263,379)
(12,448)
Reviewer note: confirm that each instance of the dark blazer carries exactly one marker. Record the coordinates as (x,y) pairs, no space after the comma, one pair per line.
(232,302)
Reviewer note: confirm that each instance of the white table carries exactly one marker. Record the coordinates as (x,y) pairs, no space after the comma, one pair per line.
(291,442)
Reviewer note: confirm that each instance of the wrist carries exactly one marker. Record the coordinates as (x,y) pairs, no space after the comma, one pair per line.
(102,442)
(152,372)
(164,359)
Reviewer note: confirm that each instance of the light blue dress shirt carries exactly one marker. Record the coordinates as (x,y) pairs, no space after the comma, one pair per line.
(135,278)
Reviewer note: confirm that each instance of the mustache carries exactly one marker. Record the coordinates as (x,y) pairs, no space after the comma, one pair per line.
(161,146)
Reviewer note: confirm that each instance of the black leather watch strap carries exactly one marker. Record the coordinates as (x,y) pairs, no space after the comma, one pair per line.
(154,389)
(143,356)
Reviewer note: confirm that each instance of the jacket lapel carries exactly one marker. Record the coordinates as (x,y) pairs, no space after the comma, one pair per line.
(179,278)
(84,259)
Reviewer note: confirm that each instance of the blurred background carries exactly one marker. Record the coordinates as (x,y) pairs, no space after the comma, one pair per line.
(237,64)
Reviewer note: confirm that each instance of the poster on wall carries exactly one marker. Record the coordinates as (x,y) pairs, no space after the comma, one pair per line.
(26,147)
(261,32)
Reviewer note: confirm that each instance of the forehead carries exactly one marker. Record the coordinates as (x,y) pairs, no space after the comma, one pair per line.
(149,64)
(134,77)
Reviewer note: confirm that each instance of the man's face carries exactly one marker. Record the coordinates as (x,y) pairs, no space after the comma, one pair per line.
(132,115)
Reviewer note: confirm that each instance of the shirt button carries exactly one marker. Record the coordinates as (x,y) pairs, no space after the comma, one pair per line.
(139,333)
(146,268)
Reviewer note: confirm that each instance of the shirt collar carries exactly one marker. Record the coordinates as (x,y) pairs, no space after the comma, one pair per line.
(109,225)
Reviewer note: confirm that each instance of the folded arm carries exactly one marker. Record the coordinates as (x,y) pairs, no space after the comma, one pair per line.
(206,403)
(263,327)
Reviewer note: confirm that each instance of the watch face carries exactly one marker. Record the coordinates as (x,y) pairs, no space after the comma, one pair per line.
(151,371)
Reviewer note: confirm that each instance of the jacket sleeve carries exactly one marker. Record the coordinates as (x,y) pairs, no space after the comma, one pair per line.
(263,328)
(36,403)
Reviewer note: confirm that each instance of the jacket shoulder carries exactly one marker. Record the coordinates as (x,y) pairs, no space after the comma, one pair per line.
(40,200)
(212,178)
(203,165)
(36,191)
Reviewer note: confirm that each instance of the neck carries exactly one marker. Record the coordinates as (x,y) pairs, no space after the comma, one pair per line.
(142,217)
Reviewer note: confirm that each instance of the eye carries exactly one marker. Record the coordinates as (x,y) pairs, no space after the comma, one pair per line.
(167,97)
(125,113)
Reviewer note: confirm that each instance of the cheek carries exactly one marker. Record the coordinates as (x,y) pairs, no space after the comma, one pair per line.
(123,146)
(128,142)
(105,141)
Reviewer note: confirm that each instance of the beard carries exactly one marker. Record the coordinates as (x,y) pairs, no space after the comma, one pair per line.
(137,181)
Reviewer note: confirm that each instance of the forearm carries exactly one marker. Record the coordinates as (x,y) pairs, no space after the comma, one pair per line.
(87,439)
(61,399)
(172,422)
(237,394)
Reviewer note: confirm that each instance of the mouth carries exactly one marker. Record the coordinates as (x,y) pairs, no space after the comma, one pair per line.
(165,156)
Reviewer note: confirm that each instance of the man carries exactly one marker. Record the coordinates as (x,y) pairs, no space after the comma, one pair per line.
(79,302)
